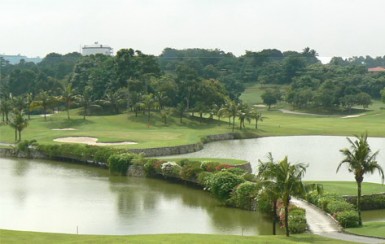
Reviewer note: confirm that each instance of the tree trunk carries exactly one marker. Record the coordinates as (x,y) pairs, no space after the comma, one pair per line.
(274,216)
(19,135)
(359,202)
(15,134)
(287,217)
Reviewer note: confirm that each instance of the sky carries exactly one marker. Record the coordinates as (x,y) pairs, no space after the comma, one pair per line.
(342,28)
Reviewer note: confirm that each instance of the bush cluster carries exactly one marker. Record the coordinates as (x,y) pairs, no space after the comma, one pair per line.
(244,196)
(369,202)
(78,152)
(297,220)
(118,163)
(337,206)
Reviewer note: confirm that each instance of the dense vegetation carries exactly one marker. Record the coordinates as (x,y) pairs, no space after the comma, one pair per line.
(179,81)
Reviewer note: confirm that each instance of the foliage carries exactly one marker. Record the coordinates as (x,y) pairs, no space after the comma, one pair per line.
(338,206)
(244,195)
(222,184)
(348,218)
(119,163)
(171,169)
(190,170)
(360,160)
(280,180)
(369,202)
(153,167)
(297,220)
(204,179)
(209,166)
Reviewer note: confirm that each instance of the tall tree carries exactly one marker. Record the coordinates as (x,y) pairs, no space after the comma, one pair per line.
(360,160)
(284,178)
(18,122)
(68,96)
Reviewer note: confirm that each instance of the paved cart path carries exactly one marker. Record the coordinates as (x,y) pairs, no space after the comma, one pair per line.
(322,224)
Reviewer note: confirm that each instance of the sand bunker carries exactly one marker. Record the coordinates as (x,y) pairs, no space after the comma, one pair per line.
(352,116)
(65,129)
(91,141)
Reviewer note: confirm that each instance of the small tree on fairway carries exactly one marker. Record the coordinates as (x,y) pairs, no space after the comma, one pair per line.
(18,123)
(360,160)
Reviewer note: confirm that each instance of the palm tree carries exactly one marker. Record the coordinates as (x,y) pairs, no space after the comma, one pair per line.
(257,116)
(44,100)
(148,102)
(18,123)
(68,96)
(231,109)
(360,160)
(85,100)
(283,178)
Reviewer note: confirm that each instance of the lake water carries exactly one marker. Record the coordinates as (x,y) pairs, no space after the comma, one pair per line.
(321,153)
(50,196)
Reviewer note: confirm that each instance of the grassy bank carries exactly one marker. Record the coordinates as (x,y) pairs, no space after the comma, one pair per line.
(369,229)
(350,187)
(118,128)
(9,236)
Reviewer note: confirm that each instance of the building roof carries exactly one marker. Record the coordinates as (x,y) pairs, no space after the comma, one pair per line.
(376,69)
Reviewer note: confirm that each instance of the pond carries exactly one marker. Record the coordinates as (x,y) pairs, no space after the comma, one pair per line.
(321,153)
(48,196)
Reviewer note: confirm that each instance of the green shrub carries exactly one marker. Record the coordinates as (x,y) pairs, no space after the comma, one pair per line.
(204,179)
(153,167)
(171,169)
(244,195)
(190,170)
(209,166)
(369,202)
(118,163)
(222,184)
(338,206)
(297,220)
(264,203)
(101,154)
(221,167)
(347,219)
(237,171)
(324,200)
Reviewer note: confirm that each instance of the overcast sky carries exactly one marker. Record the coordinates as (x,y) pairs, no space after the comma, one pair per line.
(332,27)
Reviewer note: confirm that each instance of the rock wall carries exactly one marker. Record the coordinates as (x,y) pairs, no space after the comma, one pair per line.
(165,151)
(183,149)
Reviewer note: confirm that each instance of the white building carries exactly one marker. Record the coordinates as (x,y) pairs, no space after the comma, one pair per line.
(96,48)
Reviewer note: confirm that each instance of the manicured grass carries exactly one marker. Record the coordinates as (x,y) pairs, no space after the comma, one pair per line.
(117,128)
(8,236)
(219,160)
(350,187)
(369,229)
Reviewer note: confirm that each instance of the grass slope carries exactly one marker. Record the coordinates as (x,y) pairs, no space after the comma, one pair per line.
(9,236)
(376,229)
(350,187)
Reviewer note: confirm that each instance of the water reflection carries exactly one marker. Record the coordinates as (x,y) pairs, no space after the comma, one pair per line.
(59,197)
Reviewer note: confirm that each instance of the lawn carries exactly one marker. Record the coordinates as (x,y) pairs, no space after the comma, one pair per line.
(369,229)
(123,127)
(9,236)
(350,187)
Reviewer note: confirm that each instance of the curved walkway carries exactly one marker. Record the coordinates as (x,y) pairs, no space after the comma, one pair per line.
(322,224)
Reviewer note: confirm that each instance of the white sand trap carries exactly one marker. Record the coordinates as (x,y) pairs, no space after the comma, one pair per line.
(352,116)
(65,129)
(91,141)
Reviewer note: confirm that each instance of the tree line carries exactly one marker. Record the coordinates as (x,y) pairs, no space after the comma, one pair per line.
(199,81)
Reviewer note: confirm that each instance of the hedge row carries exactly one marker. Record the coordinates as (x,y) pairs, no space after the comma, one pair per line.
(343,211)
(369,202)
